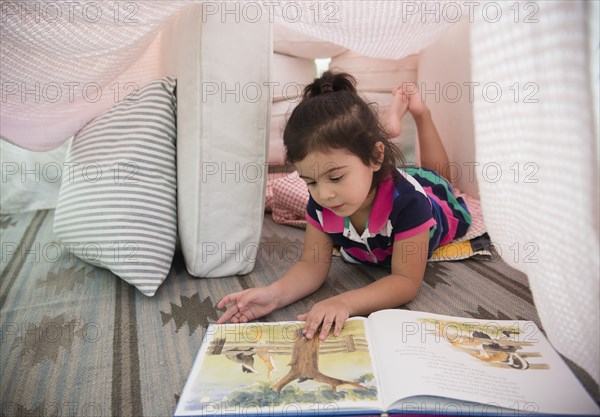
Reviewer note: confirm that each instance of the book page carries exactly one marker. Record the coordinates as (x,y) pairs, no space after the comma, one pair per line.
(270,368)
(506,364)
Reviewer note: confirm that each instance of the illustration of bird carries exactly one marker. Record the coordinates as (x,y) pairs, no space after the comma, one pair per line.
(246,359)
(260,349)
(483,347)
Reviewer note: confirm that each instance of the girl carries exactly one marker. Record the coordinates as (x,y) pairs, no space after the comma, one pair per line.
(361,202)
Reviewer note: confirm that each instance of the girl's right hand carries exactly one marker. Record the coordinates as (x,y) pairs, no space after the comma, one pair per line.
(247,305)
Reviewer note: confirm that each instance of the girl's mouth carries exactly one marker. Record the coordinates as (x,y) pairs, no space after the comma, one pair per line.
(336,207)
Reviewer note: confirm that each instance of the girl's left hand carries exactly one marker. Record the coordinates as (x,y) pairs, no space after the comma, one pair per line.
(329,313)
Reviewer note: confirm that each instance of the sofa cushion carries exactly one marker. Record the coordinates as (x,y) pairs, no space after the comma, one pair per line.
(289,76)
(290,42)
(376,74)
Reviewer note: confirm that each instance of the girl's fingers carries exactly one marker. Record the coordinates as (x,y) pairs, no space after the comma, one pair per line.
(226,315)
(339,324)
(327,323)
(229,314)
(228,299)
(223,302)
(332,321)
(312,325)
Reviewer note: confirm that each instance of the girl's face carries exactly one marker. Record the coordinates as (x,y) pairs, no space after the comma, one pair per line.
(338,180)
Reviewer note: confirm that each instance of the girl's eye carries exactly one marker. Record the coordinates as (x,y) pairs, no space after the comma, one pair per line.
(335,179)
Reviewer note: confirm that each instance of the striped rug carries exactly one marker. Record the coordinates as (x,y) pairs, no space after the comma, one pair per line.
(78,341)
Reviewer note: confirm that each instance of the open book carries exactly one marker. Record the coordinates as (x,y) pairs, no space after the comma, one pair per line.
(394,361)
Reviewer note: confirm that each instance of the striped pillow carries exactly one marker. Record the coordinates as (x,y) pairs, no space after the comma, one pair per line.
(117,203)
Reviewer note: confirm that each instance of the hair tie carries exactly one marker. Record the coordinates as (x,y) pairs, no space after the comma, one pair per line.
(326,87)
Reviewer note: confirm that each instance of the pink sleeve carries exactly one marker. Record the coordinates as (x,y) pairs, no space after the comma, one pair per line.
(315,223)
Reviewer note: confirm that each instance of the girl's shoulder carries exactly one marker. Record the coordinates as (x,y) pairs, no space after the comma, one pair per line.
(410,179)
(420,173)
(426,178)
(408,188)
(411,206)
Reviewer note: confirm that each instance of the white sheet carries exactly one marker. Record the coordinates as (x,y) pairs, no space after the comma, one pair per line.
(539,191)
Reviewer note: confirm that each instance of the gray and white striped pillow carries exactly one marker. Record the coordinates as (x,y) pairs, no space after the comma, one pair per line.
(117,203)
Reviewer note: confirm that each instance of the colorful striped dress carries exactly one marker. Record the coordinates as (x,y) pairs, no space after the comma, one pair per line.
(407,202)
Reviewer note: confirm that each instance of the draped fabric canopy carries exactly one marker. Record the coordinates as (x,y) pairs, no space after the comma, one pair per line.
(543,211)
(62,63)
(60,71)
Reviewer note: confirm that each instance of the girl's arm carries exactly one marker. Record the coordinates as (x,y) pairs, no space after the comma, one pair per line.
(308,274)
(302,279)
(409,259)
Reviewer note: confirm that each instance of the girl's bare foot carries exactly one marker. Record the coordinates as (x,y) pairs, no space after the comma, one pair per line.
(392,118)
(416,106)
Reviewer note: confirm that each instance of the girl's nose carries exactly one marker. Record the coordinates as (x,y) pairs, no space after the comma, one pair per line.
(326,193)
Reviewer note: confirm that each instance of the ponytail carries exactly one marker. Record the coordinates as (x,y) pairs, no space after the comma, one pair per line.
(330,82)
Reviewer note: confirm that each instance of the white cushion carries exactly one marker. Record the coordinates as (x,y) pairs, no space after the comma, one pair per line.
(290,75)
(222,127)
(375,74)
(117,203)
(280,112)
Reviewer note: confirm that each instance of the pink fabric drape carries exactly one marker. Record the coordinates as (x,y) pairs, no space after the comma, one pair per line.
(63,63)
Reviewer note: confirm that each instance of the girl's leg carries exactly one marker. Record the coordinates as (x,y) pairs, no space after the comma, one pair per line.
(431,149)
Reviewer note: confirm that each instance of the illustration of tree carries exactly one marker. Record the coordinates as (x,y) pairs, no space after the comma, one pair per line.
(304,354)
(304,365)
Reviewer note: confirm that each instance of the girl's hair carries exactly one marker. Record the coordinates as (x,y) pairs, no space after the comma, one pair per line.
(332,115)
